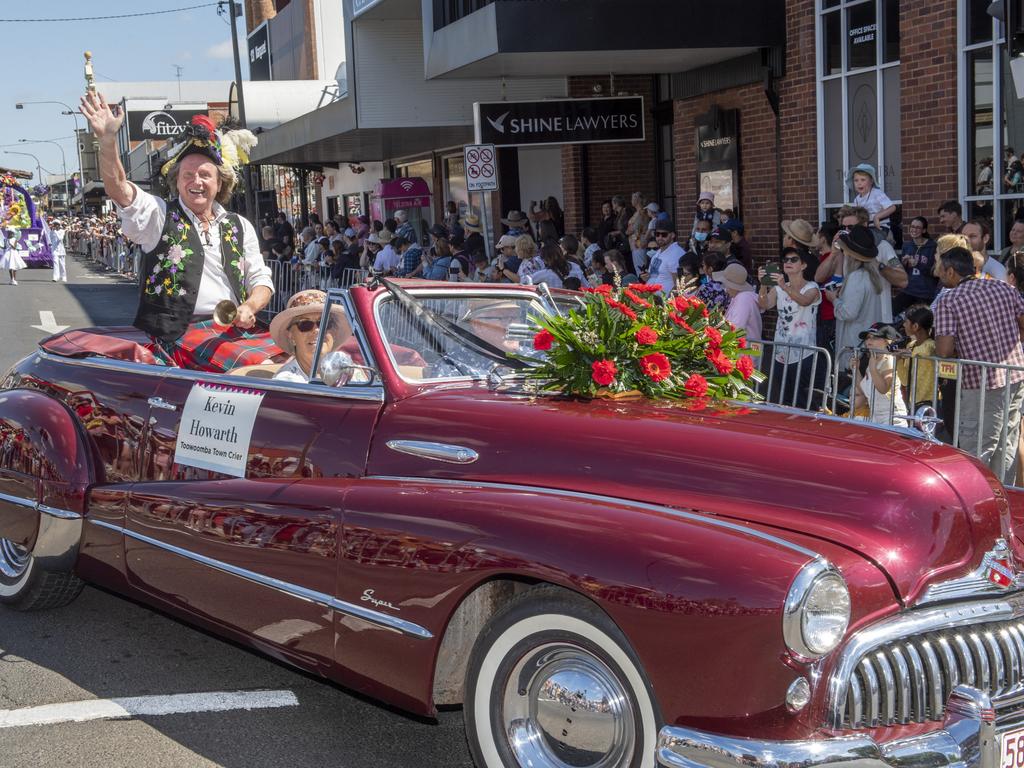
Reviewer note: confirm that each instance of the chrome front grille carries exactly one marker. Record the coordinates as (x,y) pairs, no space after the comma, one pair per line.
(908,679)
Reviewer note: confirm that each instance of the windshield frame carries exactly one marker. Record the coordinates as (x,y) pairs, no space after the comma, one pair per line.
(429,292)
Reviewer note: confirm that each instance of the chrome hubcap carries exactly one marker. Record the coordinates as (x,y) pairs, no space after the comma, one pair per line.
(14,559)
(564,708)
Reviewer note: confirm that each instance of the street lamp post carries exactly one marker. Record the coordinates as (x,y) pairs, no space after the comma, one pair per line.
(63,161)
(39,168)
(78,139)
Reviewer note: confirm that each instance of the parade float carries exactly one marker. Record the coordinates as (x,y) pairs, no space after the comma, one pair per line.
(19,213)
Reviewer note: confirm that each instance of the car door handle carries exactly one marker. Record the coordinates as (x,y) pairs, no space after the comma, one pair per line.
(453,454)
(159,402)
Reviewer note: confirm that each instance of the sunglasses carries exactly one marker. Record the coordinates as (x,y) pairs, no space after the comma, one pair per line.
(792,260)
(306,325)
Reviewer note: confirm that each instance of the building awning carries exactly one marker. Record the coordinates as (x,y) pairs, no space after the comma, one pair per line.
(329,136)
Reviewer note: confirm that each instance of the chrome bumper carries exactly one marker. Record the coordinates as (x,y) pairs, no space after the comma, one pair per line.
(968,738)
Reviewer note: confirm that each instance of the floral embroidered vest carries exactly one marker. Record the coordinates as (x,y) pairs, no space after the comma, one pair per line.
(170,274)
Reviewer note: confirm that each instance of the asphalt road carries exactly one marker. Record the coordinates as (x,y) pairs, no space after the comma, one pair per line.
(105,647)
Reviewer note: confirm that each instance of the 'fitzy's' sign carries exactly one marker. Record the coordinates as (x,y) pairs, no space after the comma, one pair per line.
(216,427)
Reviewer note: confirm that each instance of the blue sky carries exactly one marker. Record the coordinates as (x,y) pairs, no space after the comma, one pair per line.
(133,49)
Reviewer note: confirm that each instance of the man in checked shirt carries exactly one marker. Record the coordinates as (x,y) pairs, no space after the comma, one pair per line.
(983,320)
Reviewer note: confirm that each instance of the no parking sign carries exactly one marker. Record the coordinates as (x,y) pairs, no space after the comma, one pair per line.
(481,168)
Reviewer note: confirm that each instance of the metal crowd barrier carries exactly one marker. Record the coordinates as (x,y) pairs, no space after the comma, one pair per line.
(796,375)
(115,254)
(926,393)
(290,278)
(936,404)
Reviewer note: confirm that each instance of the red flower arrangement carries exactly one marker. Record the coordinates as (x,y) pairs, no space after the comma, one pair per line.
(623,340)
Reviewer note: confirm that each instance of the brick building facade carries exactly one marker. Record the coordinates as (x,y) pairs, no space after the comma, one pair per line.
(927,115)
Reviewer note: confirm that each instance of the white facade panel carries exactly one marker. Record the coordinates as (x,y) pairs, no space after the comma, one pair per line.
(540,175)
(391,90)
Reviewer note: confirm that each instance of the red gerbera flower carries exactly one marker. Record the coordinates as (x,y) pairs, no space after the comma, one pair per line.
(745,365)
(741,342)
(603,372)
(680,322)
(645,287)
(656,366)
(722,363)
(681,303)
(714,337)
(646,335)
(604,289)
(620,306)
(636,299)
(543,341)
(696,385)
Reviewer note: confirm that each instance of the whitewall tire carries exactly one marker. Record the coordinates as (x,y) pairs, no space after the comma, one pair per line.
(25,586)
(553,683)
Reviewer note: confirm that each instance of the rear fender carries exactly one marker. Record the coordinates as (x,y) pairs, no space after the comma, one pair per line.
(46,468)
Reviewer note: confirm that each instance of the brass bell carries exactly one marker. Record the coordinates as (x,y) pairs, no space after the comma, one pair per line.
(224,313)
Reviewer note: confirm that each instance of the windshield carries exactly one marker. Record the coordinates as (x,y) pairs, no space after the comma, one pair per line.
(461,333)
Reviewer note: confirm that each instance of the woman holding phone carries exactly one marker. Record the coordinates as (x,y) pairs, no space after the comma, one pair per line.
(797,375)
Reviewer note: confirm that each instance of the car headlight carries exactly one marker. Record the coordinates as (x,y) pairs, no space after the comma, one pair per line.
(817,610)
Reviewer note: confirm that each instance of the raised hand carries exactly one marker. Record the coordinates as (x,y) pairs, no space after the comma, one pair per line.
(104,120)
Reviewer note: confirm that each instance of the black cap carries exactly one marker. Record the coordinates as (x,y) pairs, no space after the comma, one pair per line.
(880,331)
(438,231)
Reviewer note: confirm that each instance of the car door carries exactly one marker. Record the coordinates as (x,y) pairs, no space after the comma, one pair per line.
(252,550)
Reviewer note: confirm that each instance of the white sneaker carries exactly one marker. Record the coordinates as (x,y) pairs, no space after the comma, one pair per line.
(13,281)
(63,279)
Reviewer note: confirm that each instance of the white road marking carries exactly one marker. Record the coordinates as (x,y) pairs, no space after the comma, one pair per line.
(145,706)
(48,323)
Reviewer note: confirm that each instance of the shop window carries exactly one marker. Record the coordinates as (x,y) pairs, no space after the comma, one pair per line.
(859,87)
(991,174)
(455,182)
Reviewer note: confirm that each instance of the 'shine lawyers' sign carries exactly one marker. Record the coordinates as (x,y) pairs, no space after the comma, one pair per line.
(563,121)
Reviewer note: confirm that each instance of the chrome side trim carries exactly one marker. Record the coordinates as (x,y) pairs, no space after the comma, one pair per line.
(17,500)
(310,595)
(156,372)
(680,513)
(453,454)
(911,624)
(63,514)
(58,537)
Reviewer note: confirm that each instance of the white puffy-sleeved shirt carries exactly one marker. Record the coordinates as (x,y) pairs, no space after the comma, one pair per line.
(143,223)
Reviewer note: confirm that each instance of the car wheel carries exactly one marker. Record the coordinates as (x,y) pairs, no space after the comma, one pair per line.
(552,683)
(26,587)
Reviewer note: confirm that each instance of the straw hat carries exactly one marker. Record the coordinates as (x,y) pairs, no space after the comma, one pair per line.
(304,303)
(800,230)
(471,223)
(734,276)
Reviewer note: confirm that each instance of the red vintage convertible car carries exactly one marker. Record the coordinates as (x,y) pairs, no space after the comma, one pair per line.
(603,583)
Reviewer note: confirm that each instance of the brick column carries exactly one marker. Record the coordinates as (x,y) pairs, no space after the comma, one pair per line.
(612,169)
(928,105)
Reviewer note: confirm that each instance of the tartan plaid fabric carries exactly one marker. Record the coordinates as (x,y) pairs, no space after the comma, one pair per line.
(204,347)
(981,315)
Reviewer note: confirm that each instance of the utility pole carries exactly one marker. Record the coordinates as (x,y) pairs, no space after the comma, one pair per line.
(177,72)
(235,11)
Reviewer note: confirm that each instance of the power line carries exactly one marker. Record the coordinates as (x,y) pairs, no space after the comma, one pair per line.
(118,16)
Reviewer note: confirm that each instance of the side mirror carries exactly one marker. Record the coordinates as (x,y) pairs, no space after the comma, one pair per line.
(337,370)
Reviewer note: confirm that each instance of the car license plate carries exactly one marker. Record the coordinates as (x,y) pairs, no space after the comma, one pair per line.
(1011,749)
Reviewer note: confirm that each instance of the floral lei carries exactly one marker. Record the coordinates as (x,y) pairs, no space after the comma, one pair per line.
(167,272)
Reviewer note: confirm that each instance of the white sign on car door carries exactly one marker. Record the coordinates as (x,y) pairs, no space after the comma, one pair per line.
(216,427)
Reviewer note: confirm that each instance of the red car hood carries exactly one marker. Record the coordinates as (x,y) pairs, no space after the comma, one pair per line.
(921,511)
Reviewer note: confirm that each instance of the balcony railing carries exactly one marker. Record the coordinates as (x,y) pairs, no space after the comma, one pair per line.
(449,11)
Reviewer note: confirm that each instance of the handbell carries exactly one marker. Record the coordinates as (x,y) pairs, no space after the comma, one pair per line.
(224,313)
